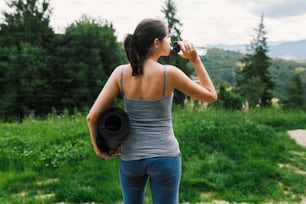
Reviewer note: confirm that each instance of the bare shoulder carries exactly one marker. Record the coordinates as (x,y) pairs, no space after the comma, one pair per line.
(174,71)
(118,70)
(171,69)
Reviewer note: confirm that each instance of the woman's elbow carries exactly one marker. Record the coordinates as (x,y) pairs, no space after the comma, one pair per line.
(213,97)
(90,119)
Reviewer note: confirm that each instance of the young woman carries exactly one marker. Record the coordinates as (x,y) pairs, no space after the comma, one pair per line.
(150,151)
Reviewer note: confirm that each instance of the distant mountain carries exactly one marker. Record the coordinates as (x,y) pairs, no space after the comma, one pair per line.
(295,50)
(289,50)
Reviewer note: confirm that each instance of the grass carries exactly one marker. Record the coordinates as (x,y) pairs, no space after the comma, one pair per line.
(235,156)
(227,155)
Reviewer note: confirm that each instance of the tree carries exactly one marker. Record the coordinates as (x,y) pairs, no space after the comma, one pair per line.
(27,21)
(255,74)
(24,88)
(39,71)
(295,93)
(25,39)
(85,55)
(174,24)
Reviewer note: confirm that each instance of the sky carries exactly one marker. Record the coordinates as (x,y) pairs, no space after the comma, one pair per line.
(205,22)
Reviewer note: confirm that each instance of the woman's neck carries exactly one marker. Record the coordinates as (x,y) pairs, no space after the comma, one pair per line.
(152,57)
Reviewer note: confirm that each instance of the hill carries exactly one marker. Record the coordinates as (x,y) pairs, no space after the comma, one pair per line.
(222,65)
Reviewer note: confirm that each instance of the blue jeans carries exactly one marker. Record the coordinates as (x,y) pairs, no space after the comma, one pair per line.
(163,173)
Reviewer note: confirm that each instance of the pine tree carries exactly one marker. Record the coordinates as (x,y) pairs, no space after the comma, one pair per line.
(27,21)
(174,25)
(173,22)
(25,65)
(295,93)
(255,82)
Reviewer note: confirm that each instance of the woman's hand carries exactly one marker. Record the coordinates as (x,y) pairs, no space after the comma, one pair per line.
(103,155)
(188,51)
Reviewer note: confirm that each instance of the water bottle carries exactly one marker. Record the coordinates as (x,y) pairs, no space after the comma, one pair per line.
(201,50)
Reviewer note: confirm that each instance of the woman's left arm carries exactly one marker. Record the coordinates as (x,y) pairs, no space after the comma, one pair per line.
(110,90)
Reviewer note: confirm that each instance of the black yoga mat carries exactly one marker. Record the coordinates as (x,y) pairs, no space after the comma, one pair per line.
(111,129)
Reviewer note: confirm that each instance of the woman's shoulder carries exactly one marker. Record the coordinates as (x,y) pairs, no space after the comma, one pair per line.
(122,67)
(173,70)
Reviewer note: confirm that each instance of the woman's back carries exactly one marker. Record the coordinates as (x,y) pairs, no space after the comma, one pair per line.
(148,86)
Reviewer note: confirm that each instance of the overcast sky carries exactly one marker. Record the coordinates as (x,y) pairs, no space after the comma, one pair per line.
(204,21)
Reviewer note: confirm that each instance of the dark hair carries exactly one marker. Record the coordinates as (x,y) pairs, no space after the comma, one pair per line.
(137,46)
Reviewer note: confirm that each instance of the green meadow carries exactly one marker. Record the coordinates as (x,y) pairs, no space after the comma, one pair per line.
(234,156)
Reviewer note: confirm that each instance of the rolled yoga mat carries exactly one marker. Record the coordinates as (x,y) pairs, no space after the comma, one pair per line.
(111,129)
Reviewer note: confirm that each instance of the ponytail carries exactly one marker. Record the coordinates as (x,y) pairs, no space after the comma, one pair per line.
(133,55)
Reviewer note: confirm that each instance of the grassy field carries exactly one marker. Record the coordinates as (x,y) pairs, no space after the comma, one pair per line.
(227,155)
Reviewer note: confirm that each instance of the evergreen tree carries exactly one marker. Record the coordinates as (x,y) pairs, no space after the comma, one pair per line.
(85,56)
(25,88)
(174,25)
(173,22)
(25,41)
(27,21)
(254,80)
(295,93)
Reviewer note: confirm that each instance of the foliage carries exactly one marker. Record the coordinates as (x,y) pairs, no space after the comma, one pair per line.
(255,73)
(295,93)
(25,38)
(27,21)
(174,24)
(41,70)
(24,73)
(84,57)
(227,99)
(226,155)
(222,65)
(285,69)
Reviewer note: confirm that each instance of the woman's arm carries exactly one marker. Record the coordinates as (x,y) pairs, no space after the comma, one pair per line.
(108,93)
(205,80)
(205,91)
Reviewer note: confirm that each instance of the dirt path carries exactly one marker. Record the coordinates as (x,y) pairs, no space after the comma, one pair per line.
(299,136)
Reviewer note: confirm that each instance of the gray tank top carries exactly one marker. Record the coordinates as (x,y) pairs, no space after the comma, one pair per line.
(151,132)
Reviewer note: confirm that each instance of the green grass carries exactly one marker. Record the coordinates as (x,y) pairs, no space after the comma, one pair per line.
(227,155)
(235,156)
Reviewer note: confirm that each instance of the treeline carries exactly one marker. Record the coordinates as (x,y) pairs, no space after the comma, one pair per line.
(41,70)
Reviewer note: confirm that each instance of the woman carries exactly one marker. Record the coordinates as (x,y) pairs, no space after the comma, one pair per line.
(150,151)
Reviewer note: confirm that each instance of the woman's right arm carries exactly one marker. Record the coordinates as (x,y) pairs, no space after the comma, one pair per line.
(107,94)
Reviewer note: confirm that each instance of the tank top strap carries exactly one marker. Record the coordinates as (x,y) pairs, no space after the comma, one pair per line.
(165,81)
(120,84)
